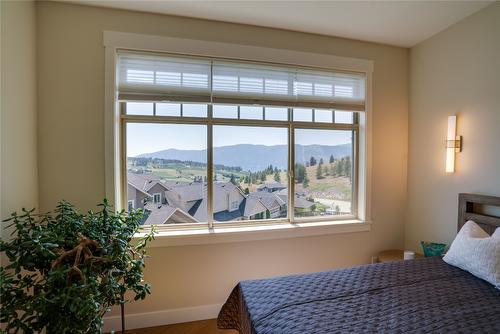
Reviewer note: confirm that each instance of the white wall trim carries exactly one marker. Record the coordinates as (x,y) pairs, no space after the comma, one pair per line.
(122,40)
(111,130)
(219,235)
(161,318)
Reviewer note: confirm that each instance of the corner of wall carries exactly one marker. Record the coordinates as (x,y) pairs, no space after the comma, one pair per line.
(19,167)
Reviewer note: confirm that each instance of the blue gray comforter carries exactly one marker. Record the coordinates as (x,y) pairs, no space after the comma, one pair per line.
(416,296)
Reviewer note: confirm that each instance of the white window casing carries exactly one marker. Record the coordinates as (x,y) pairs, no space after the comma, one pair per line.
(169,69)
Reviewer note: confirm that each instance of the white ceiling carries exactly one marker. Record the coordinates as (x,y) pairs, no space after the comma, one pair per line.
(401,23)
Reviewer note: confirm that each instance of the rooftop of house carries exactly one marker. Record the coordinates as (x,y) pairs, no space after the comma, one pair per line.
(144,182)
(189,192)
(299,200)
(161,213)
(249,205)
(268,199)
(271,185)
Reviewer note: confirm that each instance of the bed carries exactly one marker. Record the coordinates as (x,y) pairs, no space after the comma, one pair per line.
(415,296)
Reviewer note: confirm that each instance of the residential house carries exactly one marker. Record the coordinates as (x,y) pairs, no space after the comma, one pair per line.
(142,187)
(273,203)
(167,202)
(300,201)
(271,186)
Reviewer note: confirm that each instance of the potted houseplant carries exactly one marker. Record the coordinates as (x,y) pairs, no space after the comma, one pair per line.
(66,269)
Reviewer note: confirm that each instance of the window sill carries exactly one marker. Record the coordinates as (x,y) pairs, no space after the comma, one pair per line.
(264,232)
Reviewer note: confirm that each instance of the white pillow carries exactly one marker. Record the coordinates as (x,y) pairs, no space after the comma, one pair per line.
(475,251)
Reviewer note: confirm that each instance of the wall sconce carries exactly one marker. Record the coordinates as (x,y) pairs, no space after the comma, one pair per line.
(453,144)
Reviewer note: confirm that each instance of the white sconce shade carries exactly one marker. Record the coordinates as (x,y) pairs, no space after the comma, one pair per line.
(450,151)
(453,144)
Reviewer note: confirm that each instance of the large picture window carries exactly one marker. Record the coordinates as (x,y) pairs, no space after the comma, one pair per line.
(216,142)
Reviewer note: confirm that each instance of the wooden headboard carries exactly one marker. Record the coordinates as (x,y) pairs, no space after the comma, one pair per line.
(467,210)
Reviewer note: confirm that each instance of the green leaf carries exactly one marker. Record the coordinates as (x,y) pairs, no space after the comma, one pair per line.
(50,297)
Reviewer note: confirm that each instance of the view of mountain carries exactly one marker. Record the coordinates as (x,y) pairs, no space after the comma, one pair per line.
(254,157)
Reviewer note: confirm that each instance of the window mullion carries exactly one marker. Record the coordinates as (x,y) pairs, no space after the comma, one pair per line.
(210,181)
(291,170)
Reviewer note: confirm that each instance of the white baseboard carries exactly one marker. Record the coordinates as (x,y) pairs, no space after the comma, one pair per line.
(163,317)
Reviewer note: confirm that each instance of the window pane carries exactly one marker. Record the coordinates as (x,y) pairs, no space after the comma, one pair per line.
(323,116)
(302,115)
(194,110)
(323,172)
(168,109)
(344,117)
(140,108)
(250,112)
(166,172)
(223,111)
(250,178)
(276,114)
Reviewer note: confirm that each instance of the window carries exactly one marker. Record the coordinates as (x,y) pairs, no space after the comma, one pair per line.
(157,198)
(219,143)
(130,205)
(168,159)
(323,172)
(247,162)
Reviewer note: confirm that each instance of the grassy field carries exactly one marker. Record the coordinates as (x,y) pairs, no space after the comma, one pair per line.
(329,187)
(187,173)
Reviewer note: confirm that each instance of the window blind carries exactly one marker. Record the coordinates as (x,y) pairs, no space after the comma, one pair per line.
(154,77)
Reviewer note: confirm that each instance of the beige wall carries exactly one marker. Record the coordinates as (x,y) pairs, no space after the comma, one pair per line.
(71,148)
(19,180)
(455,72)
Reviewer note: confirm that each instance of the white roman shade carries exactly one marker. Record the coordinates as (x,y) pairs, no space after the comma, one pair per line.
(168,78)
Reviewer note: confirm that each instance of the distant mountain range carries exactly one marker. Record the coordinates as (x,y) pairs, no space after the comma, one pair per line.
(254,157)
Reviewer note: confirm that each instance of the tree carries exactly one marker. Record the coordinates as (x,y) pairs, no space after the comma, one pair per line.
(319,172)
(332,159)
(300,173)
(66,269)
(321,161)
(347,166)
(312,161)
(305,182)
(247,191)
(263,176)
(332,170)
(277,177)
(339,167)
(232,179)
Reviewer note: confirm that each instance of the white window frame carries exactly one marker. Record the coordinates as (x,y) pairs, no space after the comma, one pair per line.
(154,196)
(115,148)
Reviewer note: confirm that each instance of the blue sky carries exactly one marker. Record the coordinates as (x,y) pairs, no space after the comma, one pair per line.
(147,138)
